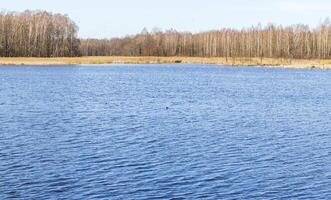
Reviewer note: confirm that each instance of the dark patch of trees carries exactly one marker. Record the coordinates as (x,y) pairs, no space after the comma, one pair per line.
(37,34)
(297,41)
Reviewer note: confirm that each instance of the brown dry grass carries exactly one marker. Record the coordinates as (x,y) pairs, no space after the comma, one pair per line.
(288,63)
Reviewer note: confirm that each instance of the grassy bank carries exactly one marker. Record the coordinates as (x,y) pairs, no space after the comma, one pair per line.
(288,63)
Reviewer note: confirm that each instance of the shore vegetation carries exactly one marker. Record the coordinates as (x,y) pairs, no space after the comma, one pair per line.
(266,62)
(40,37)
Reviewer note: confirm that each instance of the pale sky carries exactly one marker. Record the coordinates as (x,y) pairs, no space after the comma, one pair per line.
(114,18)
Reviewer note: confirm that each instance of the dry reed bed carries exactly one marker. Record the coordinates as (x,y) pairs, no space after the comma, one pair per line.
(272,62)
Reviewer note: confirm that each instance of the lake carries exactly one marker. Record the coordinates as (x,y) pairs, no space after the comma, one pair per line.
(164,132)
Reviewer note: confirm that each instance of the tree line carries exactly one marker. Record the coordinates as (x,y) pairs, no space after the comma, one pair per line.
(296,41)
(37,34)
(43,34)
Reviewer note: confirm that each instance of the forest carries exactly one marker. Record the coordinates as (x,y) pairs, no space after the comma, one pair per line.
(296,41)
(43,34)
(37,34)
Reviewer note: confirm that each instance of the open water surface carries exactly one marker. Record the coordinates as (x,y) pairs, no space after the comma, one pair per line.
(164,132)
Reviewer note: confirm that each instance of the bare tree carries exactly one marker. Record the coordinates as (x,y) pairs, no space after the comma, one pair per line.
(297,41)
(39,34)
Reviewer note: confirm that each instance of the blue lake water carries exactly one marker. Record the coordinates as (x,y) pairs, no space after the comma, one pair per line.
(164,132)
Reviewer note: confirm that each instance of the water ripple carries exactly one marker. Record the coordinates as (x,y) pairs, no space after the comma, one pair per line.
(164,132)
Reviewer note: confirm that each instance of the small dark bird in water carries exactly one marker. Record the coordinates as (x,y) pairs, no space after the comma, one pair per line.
(167,108)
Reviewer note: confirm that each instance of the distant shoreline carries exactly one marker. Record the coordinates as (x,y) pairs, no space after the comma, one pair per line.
(267,62)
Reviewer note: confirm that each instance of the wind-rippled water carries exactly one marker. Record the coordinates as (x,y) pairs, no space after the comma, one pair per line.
(164,132)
